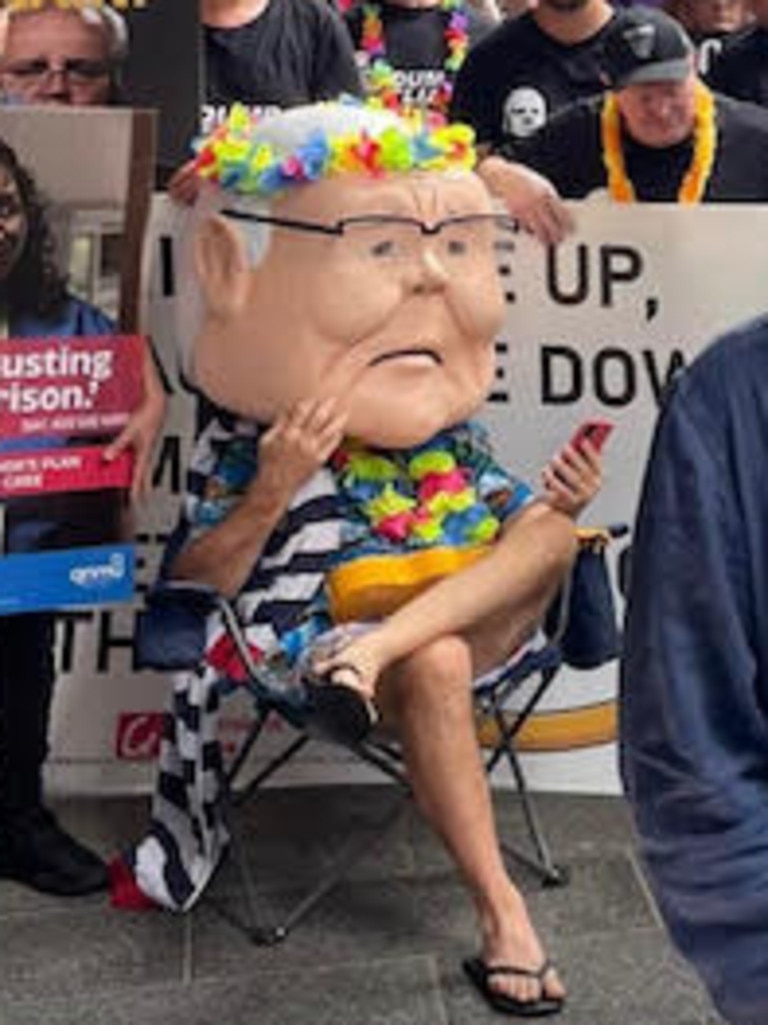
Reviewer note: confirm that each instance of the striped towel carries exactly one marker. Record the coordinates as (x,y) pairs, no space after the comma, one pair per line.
(187,836)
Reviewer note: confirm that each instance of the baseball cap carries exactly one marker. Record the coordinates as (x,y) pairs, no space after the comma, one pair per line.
(643,44)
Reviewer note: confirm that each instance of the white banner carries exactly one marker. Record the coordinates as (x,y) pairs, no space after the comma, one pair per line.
(595,328)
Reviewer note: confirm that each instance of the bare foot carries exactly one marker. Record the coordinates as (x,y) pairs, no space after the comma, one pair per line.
(357,665)
(508,938)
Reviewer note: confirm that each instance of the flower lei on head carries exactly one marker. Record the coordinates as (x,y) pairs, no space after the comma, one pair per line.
(381,77)
(692,188)
(237,158)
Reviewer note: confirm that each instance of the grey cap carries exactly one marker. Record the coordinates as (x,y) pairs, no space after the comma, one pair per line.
(643,44)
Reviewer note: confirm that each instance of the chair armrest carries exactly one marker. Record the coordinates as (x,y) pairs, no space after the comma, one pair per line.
(171,629)
(582,620)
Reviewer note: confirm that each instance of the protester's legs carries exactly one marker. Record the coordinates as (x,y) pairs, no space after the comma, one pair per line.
(428,697)
(33,848)
(26,687)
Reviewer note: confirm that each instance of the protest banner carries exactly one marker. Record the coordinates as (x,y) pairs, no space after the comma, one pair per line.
(64,535)
(594,328)
(69,375)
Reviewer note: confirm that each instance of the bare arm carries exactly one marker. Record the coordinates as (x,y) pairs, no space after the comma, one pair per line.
(532,555)
(529,197)
(296,445)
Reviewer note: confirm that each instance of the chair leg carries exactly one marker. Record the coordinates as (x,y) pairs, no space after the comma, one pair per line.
(269,935)
(350,856)
(542,865)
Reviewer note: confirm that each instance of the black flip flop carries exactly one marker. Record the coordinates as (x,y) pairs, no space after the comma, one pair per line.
(480,974)
(341,713)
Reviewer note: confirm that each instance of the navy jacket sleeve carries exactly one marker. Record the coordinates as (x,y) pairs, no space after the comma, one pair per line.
(694,689)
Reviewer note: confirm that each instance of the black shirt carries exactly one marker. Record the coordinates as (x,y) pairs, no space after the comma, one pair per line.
(517,77)
(741,70)
(414,38)
(294,52)
(739,174)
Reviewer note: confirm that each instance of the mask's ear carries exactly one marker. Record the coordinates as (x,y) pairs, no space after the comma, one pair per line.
(222,265)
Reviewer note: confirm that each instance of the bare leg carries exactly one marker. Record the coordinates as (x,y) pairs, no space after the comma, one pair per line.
(427,695)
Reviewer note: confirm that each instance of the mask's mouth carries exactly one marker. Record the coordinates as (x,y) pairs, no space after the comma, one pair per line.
(414,357)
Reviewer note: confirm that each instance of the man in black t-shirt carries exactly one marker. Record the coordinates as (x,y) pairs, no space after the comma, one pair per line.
(710,24)
(659,134)
(741,70)
(529,68)
(268,54)
(411,50)
(273,54)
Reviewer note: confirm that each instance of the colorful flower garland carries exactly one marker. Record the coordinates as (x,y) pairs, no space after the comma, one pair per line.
(692,188)
(237,158)
(381,76)
(425,501)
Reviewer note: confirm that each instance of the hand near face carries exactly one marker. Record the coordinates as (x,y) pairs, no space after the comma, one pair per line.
(297,444)
(572,478)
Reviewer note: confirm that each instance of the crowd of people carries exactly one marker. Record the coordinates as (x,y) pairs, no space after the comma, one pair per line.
(567,99)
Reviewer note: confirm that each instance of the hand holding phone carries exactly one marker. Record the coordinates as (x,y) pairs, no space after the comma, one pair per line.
(596,432)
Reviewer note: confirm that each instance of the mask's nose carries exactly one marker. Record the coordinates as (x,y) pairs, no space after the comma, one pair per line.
(428,272)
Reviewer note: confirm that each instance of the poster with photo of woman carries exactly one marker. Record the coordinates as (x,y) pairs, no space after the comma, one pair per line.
(71,188)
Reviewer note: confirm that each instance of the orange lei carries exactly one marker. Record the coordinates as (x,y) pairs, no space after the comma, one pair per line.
(621,189)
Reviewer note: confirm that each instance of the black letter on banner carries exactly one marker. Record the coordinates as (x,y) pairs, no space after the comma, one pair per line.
(68,623)
(659,383)
(624,361)
(581,289)
(617,263)
(109,641)
(572,363)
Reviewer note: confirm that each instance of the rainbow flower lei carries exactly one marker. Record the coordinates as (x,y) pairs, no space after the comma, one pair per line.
(238,159)
(423,501)
(381,76)
(693,185)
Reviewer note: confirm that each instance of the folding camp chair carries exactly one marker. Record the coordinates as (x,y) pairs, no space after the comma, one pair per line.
(580,631)
(171,636)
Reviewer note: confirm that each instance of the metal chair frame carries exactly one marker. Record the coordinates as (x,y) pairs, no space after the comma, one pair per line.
(543,661)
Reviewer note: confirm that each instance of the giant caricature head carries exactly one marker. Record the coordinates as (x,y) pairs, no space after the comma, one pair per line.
(373,280)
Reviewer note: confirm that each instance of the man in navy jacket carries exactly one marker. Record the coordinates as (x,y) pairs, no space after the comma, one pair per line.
(694,718)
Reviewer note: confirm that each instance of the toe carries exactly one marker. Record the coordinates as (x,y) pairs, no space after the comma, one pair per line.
(552,985)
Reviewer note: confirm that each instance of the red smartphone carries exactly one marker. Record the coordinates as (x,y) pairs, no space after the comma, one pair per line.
(596,432)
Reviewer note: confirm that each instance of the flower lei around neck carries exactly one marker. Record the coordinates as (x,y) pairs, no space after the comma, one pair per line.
(382,80)
(621,189)
(420,501)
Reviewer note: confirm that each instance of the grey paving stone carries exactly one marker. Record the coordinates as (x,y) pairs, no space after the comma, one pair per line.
(636,979)
(572,824)
(385,948)
(576,822)
(293,836)
(18,899)
(402,992)
(89,950)
(355,924)
(417,916)
(104,824)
